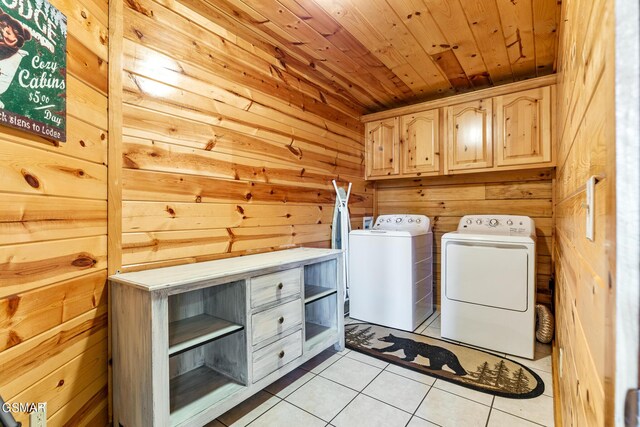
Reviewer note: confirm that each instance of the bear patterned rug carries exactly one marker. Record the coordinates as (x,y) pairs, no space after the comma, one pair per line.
(456,363)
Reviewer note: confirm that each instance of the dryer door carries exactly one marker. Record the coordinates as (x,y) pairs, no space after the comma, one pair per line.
(493,275)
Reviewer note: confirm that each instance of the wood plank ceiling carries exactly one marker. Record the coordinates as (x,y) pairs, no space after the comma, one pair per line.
(379,54)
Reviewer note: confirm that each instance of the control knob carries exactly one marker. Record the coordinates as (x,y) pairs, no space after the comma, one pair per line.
(418,220)
(493,222)
(410,220)
(509,222)
(388,219)
(469,221)
(478,221)
(398,219)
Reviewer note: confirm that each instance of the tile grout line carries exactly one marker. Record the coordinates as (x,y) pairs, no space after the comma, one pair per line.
(366,363)
(412,415)
(314,376)
(486,424)
(386,403)
(421,402)
(284,399)
(295,406)
(346,386)
(296,389)
(381,370)
(411,379)
(378,374)
(327,367)
(354,398)
(420,328)
(302,409)
(464,397)
(432,386)
(259,416)
(519,417)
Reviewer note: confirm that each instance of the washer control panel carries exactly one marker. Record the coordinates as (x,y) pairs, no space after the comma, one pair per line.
(498,224)
(402,222)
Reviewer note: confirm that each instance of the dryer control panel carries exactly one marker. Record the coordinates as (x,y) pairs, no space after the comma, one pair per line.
(403,222)
(514,225)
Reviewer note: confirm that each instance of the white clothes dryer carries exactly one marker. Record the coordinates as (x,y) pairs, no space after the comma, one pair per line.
(390,272)
(488,281)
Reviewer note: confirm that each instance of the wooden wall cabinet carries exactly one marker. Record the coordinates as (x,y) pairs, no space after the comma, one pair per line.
(383,148)
(523,127)
(469,135)
(192,341)
(503,128)
(420,143)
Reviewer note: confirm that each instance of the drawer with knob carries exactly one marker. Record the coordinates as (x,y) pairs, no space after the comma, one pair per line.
(276,355)
(270,288)
(269,323)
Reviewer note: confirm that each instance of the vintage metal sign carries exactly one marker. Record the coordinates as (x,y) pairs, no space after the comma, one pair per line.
(33,67)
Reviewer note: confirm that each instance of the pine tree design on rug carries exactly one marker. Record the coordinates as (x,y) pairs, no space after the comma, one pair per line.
(358,336)
(498,378)
(449,361)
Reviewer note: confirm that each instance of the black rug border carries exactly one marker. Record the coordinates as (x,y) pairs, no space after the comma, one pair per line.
(537,391)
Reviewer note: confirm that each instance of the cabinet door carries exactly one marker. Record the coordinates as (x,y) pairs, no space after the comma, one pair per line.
(523,127)
(383,149)
(419,142)
(469,135)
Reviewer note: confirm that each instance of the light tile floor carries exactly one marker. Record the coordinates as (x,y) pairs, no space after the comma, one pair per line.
(350,389)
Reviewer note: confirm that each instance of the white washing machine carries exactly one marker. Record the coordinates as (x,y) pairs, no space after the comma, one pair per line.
(489,283)
(390,272)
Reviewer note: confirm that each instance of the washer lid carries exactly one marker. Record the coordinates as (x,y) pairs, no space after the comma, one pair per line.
(470,236)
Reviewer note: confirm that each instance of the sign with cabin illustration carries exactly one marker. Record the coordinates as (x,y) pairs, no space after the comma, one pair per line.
(33,67)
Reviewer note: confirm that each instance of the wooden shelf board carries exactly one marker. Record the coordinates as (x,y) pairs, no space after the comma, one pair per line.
(197,390)
(316,334)
(313,330)
(196,330)
(313,293)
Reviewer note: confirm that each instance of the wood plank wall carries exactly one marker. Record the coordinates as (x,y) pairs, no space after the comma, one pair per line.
(446,199)
(586,138)
(53,243)
(226,150)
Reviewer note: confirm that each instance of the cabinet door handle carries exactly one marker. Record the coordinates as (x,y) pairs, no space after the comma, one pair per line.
(281,320)
(280,285)
(281,355)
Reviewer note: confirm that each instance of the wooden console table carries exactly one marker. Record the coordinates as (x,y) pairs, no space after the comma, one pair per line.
(192,341)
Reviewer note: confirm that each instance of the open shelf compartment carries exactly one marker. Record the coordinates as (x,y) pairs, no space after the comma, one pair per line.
(193,331)
(314,330)
(208,358)
(197,390)
(313,293)
(320,280)
(320,297)
(321,320)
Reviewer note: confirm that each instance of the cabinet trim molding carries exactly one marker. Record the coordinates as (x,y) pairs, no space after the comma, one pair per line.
(520,137)
(465,97)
